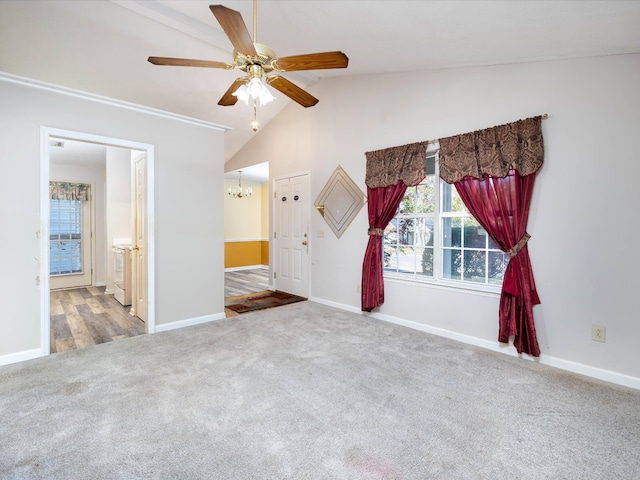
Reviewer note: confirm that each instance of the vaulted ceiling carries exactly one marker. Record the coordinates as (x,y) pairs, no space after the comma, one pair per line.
(102,46)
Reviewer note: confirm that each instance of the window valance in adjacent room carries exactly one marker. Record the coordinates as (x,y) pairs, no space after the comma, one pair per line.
(69,191)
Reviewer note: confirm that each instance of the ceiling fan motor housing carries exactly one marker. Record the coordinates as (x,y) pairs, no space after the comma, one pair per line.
(264,60)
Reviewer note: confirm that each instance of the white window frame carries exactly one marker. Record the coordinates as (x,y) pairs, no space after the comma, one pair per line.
(438,216)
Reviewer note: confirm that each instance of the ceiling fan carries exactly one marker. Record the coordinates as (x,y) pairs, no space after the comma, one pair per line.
(258,61)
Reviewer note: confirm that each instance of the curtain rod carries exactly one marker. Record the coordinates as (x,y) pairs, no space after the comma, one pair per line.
(437,140)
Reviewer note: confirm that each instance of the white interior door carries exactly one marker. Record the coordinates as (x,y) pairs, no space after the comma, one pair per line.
(291,239)
(70,244)
(139,255)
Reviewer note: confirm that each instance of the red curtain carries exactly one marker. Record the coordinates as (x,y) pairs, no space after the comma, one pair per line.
(501,206)
(389,173)
(494,172)
(383,205)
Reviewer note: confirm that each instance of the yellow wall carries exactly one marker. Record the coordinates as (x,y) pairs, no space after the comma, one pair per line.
(243,216)
(246,227)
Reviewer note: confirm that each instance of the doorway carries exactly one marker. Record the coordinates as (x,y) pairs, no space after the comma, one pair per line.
(246,230)
(48,138)
(291,235)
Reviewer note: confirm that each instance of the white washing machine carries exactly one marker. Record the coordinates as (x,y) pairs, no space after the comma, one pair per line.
(122,278)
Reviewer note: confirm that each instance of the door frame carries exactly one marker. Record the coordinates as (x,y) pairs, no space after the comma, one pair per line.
(274,224)
(43,234)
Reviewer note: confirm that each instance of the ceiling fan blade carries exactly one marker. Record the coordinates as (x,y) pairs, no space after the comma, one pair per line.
(292,91)
(233,25)
(187,62)
(311,61)
(229,98)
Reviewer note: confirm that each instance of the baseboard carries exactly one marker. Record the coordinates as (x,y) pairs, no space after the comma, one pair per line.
(100,284)
(248,267)
(108,292)
(574,367)
(20,356)
(189,322)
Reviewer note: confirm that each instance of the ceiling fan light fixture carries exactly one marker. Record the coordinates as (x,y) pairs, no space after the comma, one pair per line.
(242,93)
(255,87)
(265,96)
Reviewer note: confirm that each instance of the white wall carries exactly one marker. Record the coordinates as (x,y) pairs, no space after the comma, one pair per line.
(119,212)
(188,211)
(95,176)
(584,216)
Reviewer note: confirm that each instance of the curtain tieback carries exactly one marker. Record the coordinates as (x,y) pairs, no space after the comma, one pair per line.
(378,232)
(512,252)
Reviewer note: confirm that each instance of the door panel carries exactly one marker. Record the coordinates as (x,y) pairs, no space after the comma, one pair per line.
(139,298)
(291,236)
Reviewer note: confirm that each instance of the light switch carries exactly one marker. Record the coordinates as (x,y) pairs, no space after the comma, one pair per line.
(320,233)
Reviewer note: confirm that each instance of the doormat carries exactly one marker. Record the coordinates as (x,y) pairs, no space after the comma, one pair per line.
(260,301)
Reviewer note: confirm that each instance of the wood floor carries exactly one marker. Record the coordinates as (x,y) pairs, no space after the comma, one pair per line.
(87,316)
(241,282)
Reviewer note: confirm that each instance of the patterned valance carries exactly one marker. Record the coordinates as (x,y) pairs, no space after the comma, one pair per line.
(493,151)
(389,166)
(69,191)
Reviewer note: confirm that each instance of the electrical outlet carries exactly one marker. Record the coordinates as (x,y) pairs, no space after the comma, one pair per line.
(598,333)
(358,287)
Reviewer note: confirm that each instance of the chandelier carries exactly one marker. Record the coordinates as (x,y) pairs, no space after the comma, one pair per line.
(240,193)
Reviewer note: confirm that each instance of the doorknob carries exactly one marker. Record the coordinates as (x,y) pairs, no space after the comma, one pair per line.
(304,243)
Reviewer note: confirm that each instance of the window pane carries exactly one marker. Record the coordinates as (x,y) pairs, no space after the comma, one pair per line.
(65,246)
(424,231)
(474,266)
(76,256)
(406,231)
(451,232)
(452,264)
(497,266)
(456,202)
(492,244)
(474,235)
(390,236)
(426,196)
(425,261)
(408,203)
(406,260)
(390,259)
(451,201)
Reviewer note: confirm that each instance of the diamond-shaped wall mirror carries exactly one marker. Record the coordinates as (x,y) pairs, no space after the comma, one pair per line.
(339,201)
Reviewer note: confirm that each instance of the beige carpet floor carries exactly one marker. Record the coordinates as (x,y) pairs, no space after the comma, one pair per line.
(305,391)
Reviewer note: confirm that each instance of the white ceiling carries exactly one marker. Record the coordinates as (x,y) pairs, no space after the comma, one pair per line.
(102,46)
(254,174)
(71,152)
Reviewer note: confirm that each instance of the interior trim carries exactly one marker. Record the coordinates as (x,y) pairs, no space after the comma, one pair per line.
(29,82)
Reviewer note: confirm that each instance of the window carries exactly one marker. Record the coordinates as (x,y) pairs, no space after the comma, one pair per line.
(65,237)
(434,238)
